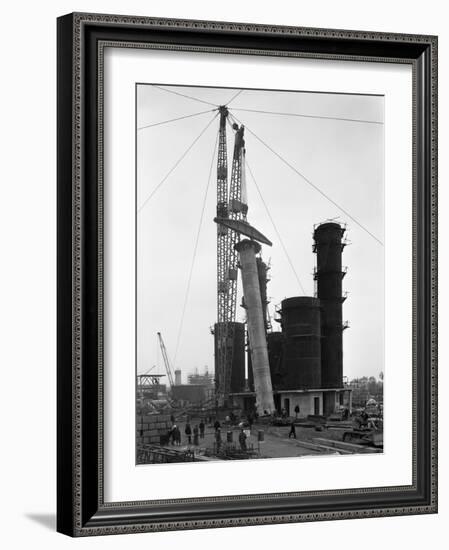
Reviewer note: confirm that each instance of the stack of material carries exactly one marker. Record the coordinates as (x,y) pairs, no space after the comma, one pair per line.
(152,428)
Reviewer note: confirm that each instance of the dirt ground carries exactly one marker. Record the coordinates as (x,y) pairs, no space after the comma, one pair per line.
(276,442)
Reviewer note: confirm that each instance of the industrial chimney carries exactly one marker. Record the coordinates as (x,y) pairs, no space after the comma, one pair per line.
(177,377)
(329,274)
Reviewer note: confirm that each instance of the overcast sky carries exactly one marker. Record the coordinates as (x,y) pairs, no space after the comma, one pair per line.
(344,159)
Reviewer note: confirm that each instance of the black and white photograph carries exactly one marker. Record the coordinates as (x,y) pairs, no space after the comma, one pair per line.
(220,275)
(259,273)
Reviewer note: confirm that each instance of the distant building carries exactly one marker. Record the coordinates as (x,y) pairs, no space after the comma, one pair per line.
(191,393)
(204,379)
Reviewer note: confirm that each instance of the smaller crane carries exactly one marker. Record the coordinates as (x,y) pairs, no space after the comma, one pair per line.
(166,361)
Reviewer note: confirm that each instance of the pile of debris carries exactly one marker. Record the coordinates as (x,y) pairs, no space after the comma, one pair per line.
(230,451)
(149,454)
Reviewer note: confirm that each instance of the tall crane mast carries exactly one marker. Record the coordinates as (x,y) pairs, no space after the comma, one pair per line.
(237,210)
(233,207)
(222,290)
(166,361)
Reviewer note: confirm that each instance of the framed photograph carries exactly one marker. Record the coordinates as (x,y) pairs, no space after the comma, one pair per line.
(247,274)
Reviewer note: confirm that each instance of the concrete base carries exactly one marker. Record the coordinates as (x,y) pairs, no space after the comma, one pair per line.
(310,402)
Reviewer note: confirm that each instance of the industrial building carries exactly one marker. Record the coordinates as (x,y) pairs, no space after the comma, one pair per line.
(198,390)
(306,355)
(190,393)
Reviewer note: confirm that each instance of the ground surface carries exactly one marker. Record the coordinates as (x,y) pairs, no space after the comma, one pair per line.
(276,442)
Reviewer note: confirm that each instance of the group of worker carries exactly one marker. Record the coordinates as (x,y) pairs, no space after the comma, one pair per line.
(196,433)
(218,438)
(193,433)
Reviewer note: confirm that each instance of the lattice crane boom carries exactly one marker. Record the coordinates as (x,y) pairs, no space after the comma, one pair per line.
(166,360)
(237,210)
(222,260)
(232,206)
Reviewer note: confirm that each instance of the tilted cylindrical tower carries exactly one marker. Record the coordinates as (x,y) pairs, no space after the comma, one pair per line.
(247,250)
(329,275)
(262,271)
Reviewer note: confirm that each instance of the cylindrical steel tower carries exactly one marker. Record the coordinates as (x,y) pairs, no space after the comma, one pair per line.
(238,359)
(237,340)
(301,328)
(256,327)
(329,275)
(275,343)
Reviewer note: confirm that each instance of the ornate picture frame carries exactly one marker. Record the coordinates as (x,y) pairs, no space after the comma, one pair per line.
(81,507)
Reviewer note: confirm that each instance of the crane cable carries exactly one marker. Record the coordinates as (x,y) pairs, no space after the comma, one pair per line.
(176,164)
(184,95)
(195,249)
(310,116)
(234,97)
(175,119)
(275,228)
(272,221)
(280,157)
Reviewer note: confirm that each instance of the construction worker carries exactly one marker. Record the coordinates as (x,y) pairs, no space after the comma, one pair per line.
(242,440)
(364,416)
(195,436)
(172,434)
(292,431)
(202,428)
(188,432)
(218,439)
(177,435)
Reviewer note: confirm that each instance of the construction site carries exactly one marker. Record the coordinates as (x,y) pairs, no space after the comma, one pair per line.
(278,387)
